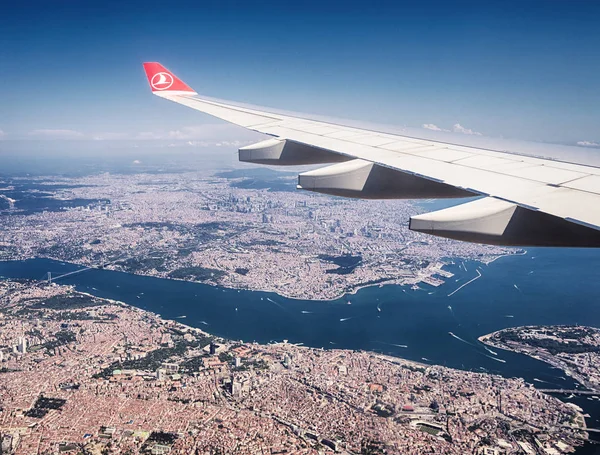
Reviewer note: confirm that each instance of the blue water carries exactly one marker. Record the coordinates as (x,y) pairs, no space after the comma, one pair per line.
(545,286)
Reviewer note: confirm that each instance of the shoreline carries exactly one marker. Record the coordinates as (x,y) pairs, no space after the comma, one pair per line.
(351,292)
(388,357)
(548,359)
(575,437)
(176,322)
(484,339)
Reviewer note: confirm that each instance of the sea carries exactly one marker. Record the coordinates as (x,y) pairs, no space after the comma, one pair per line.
(434,325)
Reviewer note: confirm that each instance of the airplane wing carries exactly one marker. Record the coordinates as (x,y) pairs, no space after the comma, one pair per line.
(526,201)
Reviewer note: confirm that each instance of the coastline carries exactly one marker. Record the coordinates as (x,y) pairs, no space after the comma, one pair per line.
(344,293)
(549,359)
(311,360)
(178,323)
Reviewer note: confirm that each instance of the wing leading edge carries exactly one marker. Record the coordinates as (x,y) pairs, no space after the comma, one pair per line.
(527,201)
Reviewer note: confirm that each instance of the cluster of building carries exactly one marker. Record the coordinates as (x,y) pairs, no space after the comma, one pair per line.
(573,349)
(103,377)
(170,225)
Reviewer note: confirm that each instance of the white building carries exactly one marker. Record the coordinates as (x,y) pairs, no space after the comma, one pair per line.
(22,345)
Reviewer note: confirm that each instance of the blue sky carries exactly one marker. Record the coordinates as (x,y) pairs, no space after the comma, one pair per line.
(525,69)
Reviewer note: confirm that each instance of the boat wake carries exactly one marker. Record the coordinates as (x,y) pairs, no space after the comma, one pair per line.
(306,312)
(461,339)
(468,282)
(274,302)
(345,319)
(541,380)
(495,358)
(477,347)
(489,350)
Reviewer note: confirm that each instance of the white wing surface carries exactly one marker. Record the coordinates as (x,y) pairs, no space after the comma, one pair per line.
(526,200)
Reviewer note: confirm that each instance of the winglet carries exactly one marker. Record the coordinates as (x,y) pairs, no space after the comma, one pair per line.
(162,80)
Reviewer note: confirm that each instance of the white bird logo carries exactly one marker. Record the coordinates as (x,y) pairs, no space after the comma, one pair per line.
(161,81)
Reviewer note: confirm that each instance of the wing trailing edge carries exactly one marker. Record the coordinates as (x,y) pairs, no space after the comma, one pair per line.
(527,200)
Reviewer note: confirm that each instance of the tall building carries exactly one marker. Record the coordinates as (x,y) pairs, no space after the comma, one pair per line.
(22,345)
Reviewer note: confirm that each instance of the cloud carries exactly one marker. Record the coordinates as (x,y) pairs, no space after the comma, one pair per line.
(203,135)
(204,132)
(137,162)
(458,128)
(149,135)
(588,144)
(191,133)
(197,144)
(56,134)
(2,134)
(109,136)
(431,126)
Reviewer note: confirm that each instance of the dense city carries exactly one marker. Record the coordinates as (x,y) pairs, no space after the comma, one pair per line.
(235,229)
(573,349)
(81,374)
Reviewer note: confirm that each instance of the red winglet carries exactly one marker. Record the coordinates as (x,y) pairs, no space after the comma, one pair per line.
(162,80)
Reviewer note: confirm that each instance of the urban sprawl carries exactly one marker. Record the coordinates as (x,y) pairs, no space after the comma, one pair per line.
(85,375)
(206,228)
(80,374)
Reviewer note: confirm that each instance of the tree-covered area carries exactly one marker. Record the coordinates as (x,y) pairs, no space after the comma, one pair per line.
(154,359)
(78,316)
(143,263)
(158,438)
(62,338)
(68,301)
(196,273)
(43,405)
